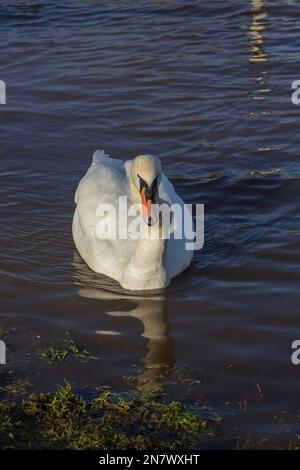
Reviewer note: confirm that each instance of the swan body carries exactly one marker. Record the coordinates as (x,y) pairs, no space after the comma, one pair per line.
(149,262)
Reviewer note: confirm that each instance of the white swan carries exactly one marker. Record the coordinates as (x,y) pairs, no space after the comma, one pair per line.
(149,262)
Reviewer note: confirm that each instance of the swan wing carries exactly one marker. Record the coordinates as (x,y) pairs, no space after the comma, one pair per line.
(104,182)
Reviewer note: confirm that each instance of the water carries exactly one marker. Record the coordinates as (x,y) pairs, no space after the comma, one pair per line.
(206,86)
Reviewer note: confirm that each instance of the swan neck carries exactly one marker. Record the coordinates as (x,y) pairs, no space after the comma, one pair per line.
(146,269)
(150,252)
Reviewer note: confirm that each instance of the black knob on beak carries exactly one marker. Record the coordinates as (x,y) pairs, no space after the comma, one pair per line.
(150,192)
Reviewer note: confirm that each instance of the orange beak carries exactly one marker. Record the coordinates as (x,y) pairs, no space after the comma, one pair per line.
(147,207)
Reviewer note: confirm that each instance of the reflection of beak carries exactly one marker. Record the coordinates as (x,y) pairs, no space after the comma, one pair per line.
(147,205)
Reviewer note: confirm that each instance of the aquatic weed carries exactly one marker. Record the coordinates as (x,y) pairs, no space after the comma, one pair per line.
(70,350)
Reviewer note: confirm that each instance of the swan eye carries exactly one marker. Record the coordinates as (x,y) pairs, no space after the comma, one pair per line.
(149,189)
(143,183)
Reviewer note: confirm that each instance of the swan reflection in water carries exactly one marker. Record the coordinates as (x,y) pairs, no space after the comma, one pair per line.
(150,310)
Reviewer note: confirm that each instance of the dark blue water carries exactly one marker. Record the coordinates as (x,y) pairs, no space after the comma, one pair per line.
(206,86)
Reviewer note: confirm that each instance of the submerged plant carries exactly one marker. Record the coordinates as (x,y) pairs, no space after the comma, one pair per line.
(70,350)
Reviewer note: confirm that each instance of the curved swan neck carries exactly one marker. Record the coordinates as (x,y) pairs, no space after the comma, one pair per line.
(146,269)
(150,252)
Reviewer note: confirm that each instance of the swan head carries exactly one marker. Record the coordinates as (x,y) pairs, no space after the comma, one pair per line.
(145,178)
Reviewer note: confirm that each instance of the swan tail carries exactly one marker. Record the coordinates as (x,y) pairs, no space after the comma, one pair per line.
(99,156)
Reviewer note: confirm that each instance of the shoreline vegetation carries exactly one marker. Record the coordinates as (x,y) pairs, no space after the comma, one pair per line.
(65,420)
(100,418)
